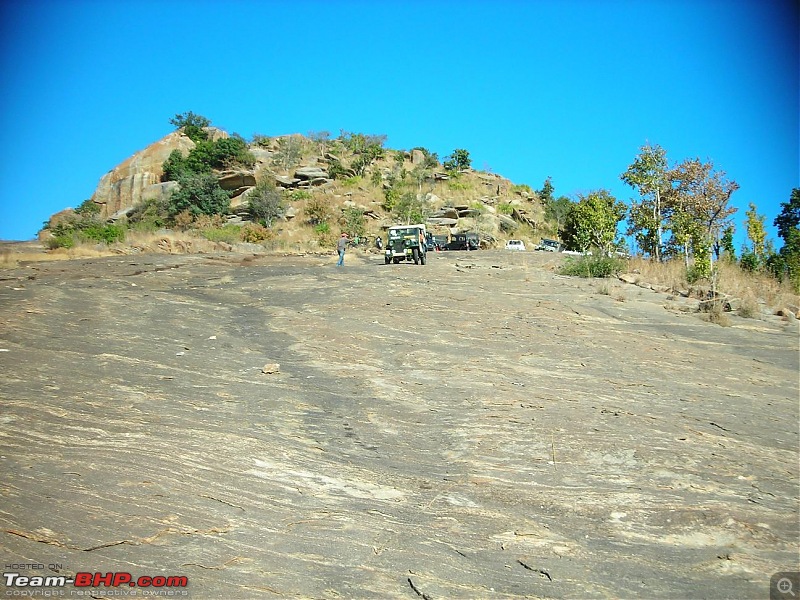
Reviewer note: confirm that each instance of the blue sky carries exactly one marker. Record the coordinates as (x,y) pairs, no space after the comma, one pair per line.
(564,88)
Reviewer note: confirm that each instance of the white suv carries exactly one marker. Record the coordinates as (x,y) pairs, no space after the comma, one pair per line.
(515,245)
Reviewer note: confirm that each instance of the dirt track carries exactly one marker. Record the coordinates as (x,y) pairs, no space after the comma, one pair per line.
(478,427)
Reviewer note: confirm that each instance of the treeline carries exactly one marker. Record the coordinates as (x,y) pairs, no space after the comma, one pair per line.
(682,211)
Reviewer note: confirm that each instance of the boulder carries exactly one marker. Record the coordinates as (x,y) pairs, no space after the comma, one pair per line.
(311,173)
(628,278)
(507,223)
(159,191)
(124,185)
(290,213)
(234,180)
(442,221)
(417,157)
(285,181)
(447,212)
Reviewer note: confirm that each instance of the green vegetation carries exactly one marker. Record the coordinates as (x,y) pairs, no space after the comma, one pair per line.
(592,223)
(785,265)
(459,160)
(289,152)
(199,194)
(352,221)
(192,125)
(297,195)
(593,266)
(229,234)
(265,202)
(68,233)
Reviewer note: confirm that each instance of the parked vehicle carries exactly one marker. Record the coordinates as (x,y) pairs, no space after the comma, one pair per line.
(549,246)
(406,242)
(464,241)
(515,245)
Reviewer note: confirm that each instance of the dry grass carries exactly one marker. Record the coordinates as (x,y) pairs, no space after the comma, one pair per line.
(733,281)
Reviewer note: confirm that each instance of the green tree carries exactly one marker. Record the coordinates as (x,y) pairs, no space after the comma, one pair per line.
(459,160)
(231,152)
(289,152)
(592,222)
(409,208)
(786,263)
(175,166)
(265,202)
(200,194)
(756,233)
(648,174)
(546,193)
(701,195)
(727,243)
(556,210)
(352,221)
(192,125)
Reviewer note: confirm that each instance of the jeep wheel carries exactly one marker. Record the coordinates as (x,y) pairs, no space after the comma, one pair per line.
(423,258)
(415,255)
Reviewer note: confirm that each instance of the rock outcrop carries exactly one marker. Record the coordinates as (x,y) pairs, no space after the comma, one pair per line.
(138,177)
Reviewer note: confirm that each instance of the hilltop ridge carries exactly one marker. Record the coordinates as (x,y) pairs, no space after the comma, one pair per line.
(323,185)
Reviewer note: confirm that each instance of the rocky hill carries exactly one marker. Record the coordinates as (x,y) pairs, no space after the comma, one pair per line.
(452,200)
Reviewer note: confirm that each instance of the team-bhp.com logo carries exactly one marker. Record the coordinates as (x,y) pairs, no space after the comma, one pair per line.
(93,580)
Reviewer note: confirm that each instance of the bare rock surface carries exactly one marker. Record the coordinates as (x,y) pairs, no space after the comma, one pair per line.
(475,428)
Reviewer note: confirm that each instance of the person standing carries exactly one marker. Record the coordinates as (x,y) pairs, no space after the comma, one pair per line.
(341,246)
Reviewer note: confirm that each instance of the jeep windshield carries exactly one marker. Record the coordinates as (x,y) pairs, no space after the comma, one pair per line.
(401,233)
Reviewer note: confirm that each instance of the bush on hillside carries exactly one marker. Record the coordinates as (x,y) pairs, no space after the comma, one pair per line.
(265,202)
(200,194)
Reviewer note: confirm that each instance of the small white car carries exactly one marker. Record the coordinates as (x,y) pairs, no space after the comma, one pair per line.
(515,245)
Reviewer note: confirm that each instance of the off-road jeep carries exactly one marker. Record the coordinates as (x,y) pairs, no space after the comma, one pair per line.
(406,242)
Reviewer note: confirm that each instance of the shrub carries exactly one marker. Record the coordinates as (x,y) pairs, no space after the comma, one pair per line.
(336,170)
(592,266)
(694,274)
(375,177)
(714,312)
(265,202)
(289,152)
(227,233)
(184,220)
(262,141)
(749,308)
(232,151)
(254,233)
(151,214)
(200,194)
(352,221)
(209,221)
(504,208)
(174,167)
(352,181)
(88,208)
(97,232)
(317,211)
(456,185)
(296,195)
(192,125)
(60,241)
(523,187)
